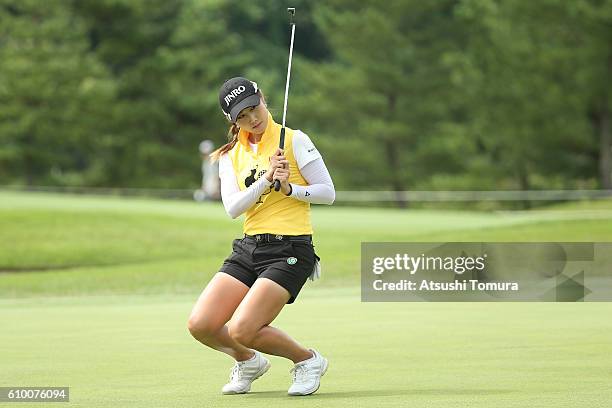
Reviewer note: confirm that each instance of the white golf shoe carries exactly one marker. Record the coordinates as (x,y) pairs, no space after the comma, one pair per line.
(307,374)
(245,372)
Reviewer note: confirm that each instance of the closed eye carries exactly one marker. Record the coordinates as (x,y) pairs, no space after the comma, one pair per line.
(242,114)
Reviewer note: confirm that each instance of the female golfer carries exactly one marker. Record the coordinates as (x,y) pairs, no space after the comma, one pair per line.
(270,264)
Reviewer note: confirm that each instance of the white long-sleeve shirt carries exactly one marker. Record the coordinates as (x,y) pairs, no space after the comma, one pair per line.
(320,188)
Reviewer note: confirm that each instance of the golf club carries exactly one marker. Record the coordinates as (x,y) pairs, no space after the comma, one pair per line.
(281,143)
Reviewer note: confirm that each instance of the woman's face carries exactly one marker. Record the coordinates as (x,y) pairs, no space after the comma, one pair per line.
(253,119)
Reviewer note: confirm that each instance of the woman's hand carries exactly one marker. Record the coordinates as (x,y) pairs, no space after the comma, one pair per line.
(277,161)
(282,175)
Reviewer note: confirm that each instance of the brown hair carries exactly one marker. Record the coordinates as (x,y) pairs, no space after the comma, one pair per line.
(232,137)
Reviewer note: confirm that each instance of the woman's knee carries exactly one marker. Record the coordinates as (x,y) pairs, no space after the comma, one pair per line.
(201,326)
(241,332)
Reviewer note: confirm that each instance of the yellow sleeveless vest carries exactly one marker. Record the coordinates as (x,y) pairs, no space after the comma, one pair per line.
(273,212)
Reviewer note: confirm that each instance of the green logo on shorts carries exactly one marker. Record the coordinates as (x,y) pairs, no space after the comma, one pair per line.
(292,260)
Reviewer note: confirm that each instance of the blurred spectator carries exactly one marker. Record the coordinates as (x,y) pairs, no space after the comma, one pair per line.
(210,175)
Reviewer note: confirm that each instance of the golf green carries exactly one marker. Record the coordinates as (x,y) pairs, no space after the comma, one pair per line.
(136,351)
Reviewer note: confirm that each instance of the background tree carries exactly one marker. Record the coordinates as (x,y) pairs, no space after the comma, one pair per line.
(400,95)
(54,96)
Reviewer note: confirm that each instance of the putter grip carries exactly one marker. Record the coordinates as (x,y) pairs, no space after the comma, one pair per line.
(281,145)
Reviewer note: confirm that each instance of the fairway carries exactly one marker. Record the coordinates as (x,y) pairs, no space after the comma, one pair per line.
(96,291)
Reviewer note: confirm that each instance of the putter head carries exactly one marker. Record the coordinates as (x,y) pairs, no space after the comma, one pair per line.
(291,10)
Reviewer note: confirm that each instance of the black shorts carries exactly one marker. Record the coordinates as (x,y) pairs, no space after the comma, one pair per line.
(284,259)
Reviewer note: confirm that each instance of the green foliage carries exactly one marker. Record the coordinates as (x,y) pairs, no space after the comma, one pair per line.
(452,94)
(54,96)
(392,88)
(521,75)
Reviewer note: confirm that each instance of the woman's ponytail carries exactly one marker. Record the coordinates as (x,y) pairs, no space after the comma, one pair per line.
(232,137)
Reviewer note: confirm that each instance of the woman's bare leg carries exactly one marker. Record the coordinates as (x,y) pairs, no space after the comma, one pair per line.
(250,324)
(213,309)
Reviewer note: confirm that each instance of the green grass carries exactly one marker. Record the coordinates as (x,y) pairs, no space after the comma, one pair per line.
(71,245)
(133,351)
(97,291)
